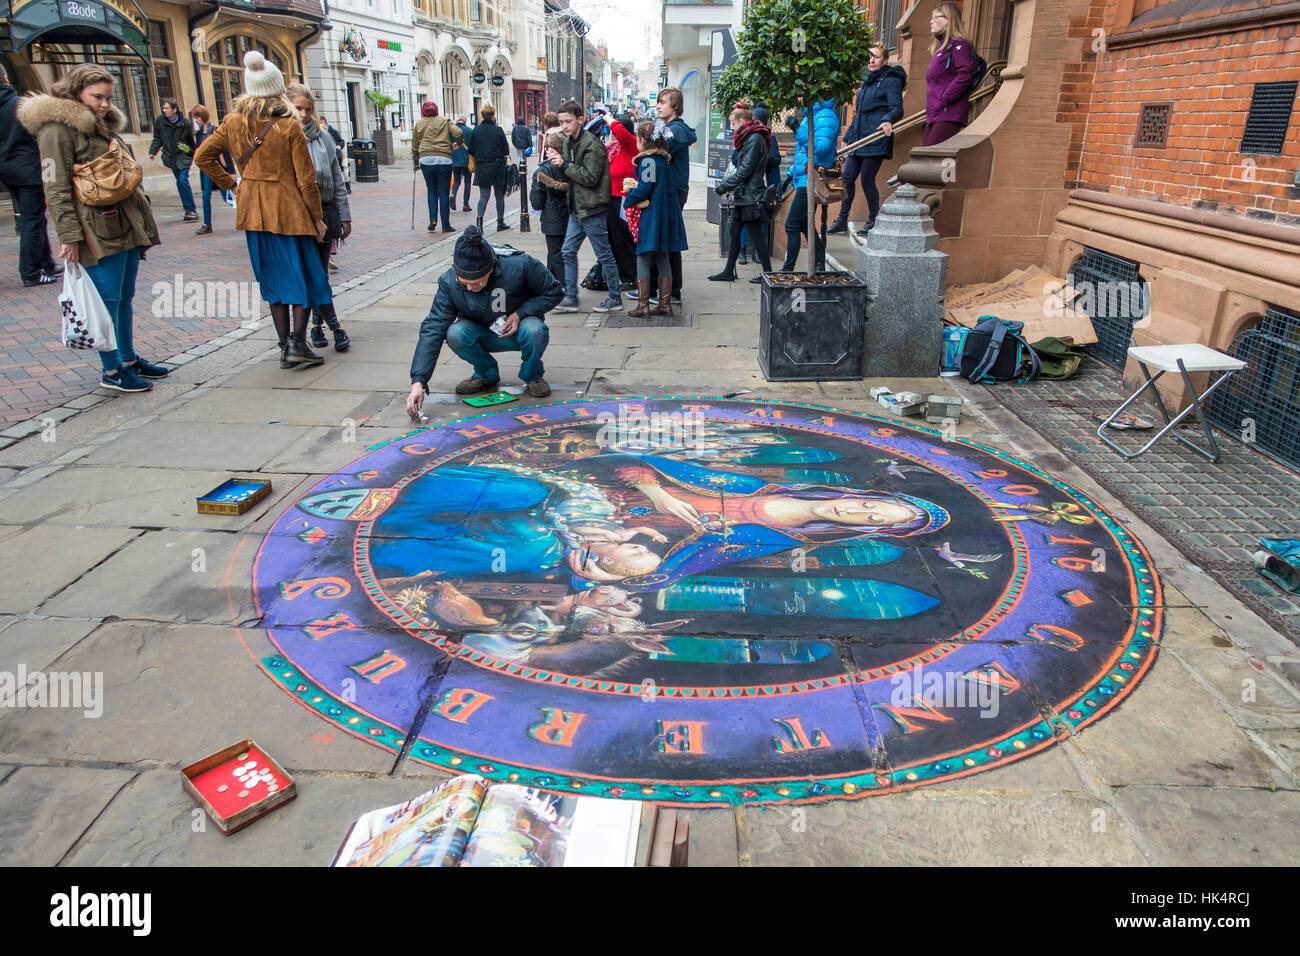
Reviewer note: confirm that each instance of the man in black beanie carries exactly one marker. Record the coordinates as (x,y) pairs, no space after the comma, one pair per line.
(483,286)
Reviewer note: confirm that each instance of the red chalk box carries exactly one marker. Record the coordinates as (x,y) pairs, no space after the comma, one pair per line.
(238,784)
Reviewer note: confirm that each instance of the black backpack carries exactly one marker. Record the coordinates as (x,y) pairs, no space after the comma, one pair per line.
(995,351)
(595,279)
(981,69)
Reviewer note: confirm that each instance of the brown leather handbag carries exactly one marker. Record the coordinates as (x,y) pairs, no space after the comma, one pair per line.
(828,184)
(108,178)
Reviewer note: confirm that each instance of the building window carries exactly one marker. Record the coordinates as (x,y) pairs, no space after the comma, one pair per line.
(451,85)
(226,58)
(475,11)
(133,90)
(163,65)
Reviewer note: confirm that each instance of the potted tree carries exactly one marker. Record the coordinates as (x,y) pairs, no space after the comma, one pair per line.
(383,135)
(793,54)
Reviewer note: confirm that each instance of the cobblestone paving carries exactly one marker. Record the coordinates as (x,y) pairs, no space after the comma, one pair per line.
(38,373)
(1213,512)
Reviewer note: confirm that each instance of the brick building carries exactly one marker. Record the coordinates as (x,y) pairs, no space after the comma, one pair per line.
(1148,144)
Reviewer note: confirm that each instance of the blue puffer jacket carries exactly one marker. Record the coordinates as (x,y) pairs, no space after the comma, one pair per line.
(827,133)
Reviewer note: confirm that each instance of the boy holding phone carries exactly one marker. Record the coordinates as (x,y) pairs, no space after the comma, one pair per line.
(489,301)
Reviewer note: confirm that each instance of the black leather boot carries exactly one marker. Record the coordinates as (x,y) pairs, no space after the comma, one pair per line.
(300,354)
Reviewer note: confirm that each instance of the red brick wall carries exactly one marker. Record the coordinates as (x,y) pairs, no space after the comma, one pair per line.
(1209,80)
(1077,78)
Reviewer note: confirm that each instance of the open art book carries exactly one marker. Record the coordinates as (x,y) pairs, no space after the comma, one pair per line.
(469,822)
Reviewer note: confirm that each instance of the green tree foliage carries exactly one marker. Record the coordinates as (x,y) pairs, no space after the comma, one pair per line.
(381,102)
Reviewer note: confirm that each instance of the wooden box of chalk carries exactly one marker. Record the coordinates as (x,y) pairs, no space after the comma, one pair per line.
(238,784)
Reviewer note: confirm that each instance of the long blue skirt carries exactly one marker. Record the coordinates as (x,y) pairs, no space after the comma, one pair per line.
(288,268)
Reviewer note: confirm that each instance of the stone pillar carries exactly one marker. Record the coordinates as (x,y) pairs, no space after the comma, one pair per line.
(905,274)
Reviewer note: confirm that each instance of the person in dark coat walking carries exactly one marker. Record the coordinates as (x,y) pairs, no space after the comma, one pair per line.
(879,105)
(20,172)
(764,116)
(460,165)
(521,137)
(491,151)
(662,230)
(484,285)
(174,137)
(550,195)
(749,182)
(948,77)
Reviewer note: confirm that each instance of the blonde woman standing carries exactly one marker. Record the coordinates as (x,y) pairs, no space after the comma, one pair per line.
(75,125)
(278,203)
(948,77)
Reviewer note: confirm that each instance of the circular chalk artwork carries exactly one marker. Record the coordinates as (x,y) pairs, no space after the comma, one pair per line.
(702,601)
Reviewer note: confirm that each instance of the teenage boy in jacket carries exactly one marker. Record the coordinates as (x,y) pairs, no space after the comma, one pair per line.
(585,165)
(669,106)
(175,138)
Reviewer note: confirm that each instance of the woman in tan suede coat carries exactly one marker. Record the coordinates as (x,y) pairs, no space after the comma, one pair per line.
(278,203)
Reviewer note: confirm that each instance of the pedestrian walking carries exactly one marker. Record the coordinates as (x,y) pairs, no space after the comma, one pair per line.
(550,195)
(661,229)
(279,206)
(753,142)
(521,138)
(764,116)
(75,125)
(827,131)
(338,148)
(460,167)
(199,117)
(174,137)
(335,212)
(669,104)
(490,151)
(877,107)
(20,172)
(948,77)
(432,143)
(621,146)
(585,164)
(483,287)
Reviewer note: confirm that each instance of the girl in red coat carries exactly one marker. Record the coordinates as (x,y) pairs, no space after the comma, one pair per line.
(622,147)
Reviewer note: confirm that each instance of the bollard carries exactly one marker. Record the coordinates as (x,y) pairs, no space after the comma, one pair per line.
(905,274)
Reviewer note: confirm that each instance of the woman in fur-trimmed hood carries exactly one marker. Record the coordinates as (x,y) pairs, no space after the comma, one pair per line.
(77,124)
(661,229)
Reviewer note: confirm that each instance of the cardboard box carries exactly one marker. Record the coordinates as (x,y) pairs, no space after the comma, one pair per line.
(238,784)
(233,496)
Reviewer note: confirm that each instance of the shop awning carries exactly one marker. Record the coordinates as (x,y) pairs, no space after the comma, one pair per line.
(78,21)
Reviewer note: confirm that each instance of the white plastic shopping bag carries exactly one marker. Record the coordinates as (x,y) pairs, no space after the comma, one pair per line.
(86,322)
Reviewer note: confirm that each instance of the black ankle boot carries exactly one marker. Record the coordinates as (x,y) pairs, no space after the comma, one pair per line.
(341,340)
(284,355)
(840,225)
(300,355)
(317,336)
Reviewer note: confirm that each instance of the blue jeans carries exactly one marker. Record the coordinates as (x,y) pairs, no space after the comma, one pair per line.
(596,229)
(183,187)
(437,180)
(460,174)
(207,185)
(114,278)
(473,343)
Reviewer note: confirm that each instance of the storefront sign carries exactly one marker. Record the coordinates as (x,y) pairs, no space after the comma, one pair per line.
(480,78)
(498,80)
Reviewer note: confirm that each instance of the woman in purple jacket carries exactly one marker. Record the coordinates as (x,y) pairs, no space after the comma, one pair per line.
(948,77)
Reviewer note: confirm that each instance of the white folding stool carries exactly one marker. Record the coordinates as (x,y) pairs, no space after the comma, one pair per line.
(1183,359)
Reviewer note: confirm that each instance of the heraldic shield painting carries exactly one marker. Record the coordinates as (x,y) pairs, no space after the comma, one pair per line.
(703,601)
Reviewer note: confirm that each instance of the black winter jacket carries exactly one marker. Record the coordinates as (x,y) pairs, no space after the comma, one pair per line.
(749,181)
(879,99)
(169,137)
(530,290)
(521,137)
(20,157)
(550,194)
(491,151)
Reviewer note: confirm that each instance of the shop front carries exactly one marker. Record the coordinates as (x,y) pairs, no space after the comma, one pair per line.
(530,102)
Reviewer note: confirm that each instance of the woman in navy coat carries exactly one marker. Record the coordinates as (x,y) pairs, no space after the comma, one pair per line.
(662,229)
(879,105)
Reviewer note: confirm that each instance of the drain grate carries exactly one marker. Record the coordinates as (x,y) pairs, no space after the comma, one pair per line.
(648,321)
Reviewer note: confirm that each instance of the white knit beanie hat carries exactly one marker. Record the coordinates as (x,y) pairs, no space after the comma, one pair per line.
(261,77)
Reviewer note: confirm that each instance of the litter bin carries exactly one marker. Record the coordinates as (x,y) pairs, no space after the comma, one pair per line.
(363,153)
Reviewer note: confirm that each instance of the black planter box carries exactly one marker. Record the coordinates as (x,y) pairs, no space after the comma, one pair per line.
(811,333)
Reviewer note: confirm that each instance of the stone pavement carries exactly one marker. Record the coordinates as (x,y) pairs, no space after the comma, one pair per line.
(108,568)
(37,373)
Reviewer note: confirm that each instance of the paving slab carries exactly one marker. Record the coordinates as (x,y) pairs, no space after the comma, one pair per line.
(41,560)
(711,837)
(173,694)
(1254,694)
(925,829)
(1171,732)
(324,450)
(45,810)
(177,444)
(263,406)
(133,497)
(36,644)
(153,822)
(175,576)
(1192,826)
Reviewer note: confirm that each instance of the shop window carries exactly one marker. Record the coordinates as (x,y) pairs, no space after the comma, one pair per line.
(160,51)
(226,59)
(134,92)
